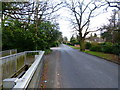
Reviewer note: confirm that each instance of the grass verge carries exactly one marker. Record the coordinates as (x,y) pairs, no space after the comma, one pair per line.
(111,57)
(74,47)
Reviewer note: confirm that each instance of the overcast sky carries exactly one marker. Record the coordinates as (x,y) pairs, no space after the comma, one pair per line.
(98,21)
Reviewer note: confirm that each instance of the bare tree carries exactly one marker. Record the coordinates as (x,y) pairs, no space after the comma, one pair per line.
(114,3)
(31,12)
(82,11)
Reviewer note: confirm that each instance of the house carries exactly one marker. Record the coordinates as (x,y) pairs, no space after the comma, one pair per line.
(95,39)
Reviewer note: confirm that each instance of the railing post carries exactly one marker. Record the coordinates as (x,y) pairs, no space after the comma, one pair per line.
(27,79)
(15,63)
(1,74)
(9,83)
(10,52)
(25,58)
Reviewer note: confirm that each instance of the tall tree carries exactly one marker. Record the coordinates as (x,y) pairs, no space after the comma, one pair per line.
(112,33)
(82,11)
(114,3)
(65,39)
(73,40)
(31,20)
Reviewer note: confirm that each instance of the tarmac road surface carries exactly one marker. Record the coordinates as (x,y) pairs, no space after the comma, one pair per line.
(76,69)
(80,70)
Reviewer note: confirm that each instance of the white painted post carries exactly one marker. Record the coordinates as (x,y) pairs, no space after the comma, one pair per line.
(15,63)
(25,55)
(10,52)
(36,56)
(9,83)
(1,74)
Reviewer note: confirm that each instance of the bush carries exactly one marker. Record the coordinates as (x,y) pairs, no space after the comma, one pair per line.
(107,47)
(87,45)
(55,44)
(116,49)
(95,48)
(68,43)
(48,51)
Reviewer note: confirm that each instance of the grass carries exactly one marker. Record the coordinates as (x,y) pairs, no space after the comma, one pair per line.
(110,57)
(74,47)
(48,51)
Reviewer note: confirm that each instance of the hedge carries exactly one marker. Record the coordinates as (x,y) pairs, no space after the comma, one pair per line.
(88,45)
(105,47)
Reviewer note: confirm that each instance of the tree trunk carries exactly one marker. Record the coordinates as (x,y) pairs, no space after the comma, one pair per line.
(82,44)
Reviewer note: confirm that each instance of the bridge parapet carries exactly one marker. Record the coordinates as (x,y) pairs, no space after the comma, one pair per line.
(31,78)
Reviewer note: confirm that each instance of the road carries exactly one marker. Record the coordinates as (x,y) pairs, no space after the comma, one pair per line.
(80,70)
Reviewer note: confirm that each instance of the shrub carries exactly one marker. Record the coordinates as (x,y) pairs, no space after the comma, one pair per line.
(55,44)
(116,49)
(106,47)
(87,45)
(95,48)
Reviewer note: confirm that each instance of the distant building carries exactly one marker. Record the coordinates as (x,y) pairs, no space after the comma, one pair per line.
(95,39)
(76,45)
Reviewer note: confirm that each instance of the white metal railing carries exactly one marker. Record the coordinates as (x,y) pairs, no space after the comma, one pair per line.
(9,65)
(0,74)
(8,52)
(24,81)
(12,63)
(33,72)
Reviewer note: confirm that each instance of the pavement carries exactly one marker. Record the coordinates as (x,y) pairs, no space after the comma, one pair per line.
(50,71)
(70,68)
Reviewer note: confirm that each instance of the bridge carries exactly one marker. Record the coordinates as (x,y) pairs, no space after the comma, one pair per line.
(19,72)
